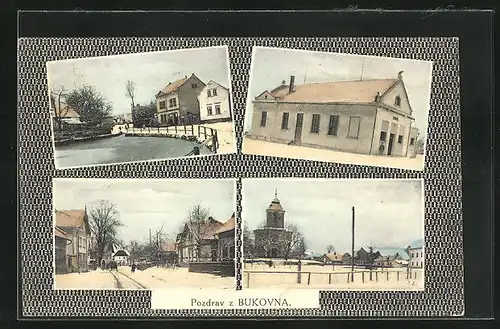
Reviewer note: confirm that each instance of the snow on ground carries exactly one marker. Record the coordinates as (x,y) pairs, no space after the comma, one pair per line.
(98,279)
(319,279)
(252,146)
(166,278)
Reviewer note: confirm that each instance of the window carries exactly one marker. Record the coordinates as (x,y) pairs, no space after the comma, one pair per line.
(209,93)
(315,124)
(265,97)
(217,108)
(395,118)
(354,123)
(383,136)
(333,126)
(194,85)
(214,92)
(412,141)
(263,118)
(284,120)
(162,104)
(400,139)
(209,110)
(397,101)
(172,102)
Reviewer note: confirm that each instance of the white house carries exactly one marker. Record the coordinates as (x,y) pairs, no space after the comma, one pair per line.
(416,252)
(214,103)
(120,256)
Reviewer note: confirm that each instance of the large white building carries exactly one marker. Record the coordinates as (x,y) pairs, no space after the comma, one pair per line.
(214,103)
(120,256)
(416,252)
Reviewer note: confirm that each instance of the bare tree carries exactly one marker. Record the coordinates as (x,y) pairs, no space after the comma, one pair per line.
(104,224)
(291,240)
(198,224)
(248,243)
(60,109)
(130,91)
(267,240)
(158,244)
(330,248)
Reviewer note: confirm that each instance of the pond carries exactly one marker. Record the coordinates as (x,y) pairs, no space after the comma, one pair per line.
(122,149)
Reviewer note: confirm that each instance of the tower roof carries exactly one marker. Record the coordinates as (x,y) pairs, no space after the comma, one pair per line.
(275,204)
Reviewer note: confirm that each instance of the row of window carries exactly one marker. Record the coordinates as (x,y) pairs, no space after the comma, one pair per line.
(172,102)
(333,124)
(383,138)
(415,254)
(210,111)
(212,92)
(416,264)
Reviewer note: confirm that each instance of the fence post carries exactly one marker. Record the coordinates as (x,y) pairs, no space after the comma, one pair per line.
(192,130)
(387,272)
(348,274)
(175,129)
(205,132)
(198,131)
(362,276)
(329,278)
(309,278)
(149,130)
(185,131)
(158,130)
(248,279)
(376,276)
(398,276)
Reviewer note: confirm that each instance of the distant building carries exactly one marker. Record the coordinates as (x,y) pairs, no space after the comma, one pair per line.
(177,103)
(65,117)
(392,257)
(225,240)
(336,258)
(416,253)
(214,103)
(76,228)
(362,116)
(120,256)
(269,240)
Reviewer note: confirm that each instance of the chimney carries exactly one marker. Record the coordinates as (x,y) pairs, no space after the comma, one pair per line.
(291,88)
(185,77)
(400,75)
(377,96)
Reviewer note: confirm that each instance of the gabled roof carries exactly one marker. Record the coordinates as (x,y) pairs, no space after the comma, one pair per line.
(228,226)
(213,82)
(356,91)
(174,86)
(121,252)
(334,256)
(60,233)
(72,218)
(65,111)
(208,229)
(417,244)
(391,252)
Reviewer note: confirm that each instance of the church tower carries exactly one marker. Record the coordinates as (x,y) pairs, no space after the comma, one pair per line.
(275,213)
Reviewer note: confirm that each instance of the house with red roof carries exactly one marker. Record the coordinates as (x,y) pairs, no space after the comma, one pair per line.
(73,227)
(225,240)
(360,116)
(177,103)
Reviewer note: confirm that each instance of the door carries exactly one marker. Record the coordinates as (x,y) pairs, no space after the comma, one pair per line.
(391,144)
(298,127)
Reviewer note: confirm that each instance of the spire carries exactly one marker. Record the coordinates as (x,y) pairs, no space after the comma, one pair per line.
(276,200)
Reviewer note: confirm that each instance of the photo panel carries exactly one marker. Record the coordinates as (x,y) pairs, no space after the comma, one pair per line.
(303,233)
(336,107)
(140,107)
(138,234)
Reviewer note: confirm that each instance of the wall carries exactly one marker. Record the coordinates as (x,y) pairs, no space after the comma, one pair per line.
(417,257)
(401,126)
(221,268)
(60,256)
(188,96)
(390,96)
(273,131)
(222,98)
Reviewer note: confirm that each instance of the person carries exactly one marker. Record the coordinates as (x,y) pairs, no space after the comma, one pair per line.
(381,148)
(133,267)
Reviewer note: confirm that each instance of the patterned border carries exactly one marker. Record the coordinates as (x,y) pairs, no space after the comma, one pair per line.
(444,295)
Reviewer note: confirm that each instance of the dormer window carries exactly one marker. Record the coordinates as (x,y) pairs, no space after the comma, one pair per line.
(265,97)
(214,92)
(208,93)
(397,101)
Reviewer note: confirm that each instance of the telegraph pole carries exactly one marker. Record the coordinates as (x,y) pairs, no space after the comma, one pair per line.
(352,245)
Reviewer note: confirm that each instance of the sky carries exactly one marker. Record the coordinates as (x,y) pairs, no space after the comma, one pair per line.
(388,213)
(150,72)
(144,204)
(270,66)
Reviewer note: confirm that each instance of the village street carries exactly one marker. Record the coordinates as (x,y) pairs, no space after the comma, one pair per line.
(151,278)
(252,146)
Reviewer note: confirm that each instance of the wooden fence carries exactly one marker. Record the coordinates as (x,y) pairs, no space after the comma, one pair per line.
(349,277)
(201,132)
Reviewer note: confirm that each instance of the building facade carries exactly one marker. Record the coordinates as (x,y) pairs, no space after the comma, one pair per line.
(416,252)
(226,241)
(75,225)
(365,116)
(121,257)
(214,103)
(61,239)
(177,103)
(270,240)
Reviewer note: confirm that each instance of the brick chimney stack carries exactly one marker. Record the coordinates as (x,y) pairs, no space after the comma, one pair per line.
(400,75)
(291,89)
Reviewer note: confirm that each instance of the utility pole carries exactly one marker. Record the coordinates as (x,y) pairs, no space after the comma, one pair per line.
(150,237)
(352,257)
